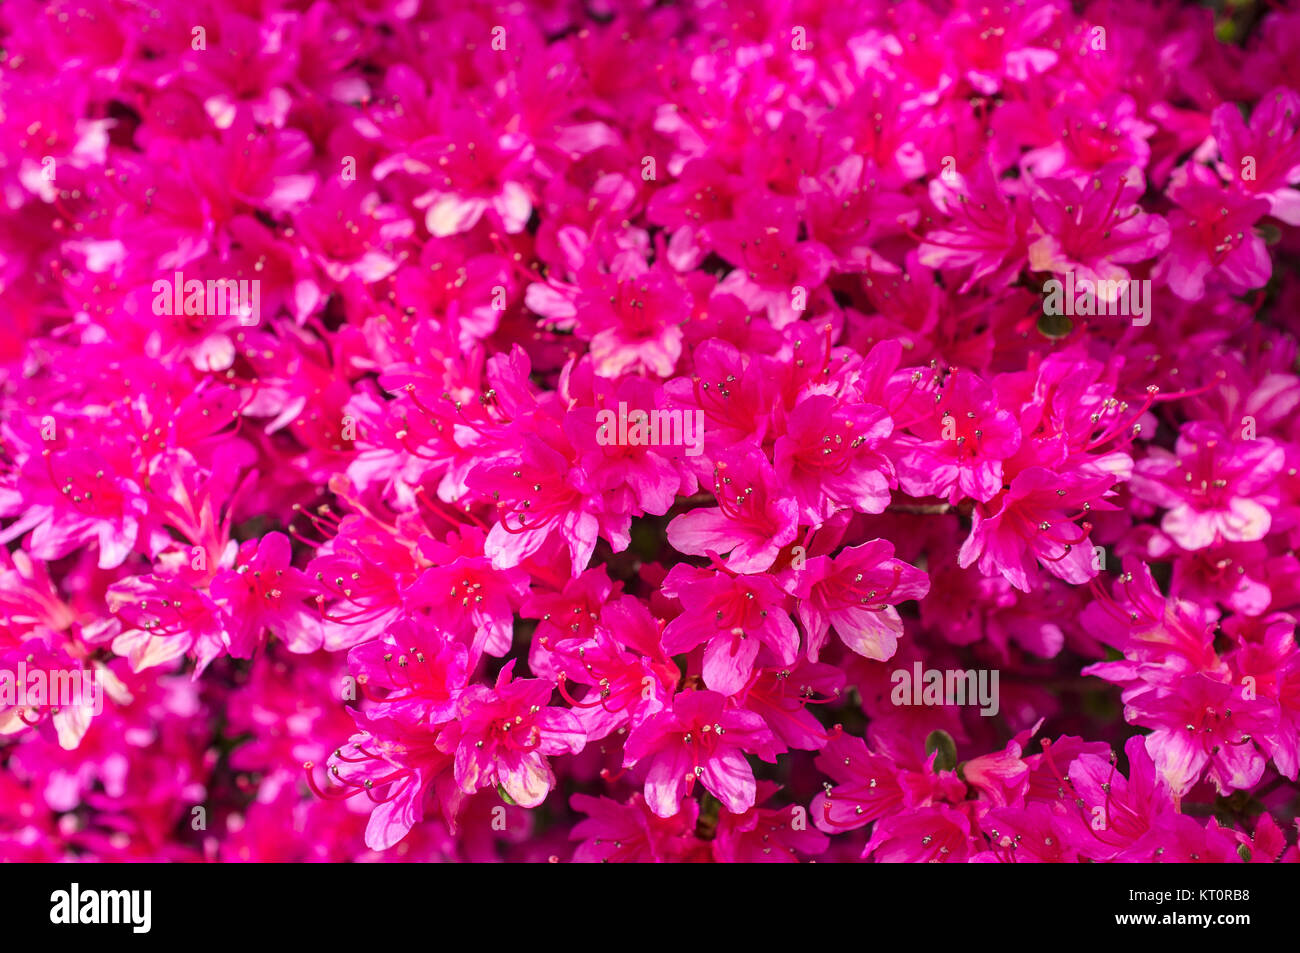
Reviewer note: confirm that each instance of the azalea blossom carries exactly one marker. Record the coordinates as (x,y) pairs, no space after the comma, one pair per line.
(552,433)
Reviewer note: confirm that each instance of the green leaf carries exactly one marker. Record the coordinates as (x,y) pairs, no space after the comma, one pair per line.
(1055,325)
(940,741)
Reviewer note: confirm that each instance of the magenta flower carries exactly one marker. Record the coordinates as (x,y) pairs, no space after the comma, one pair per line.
(163,619)
(739,619)
(75,497)
(412,676)
(645,477)
(624,688)
(465,594)
(1117,813)
(1093,228)
(731,389)
(935,834)
(770,261)
(503,735)
(1263,159)
(781,698)
(540,501)
(1273,666)
(867,786)
(632,318)
(1204,726)
(1001,44)
(1212,236)
(1186,841)
(631,833)
(396,767)
(699,739)
(265,592)
(751,522)
(767,835)
(1213,488)
(340,383)
(850,207)
(986,230)
(1093,136)
(475,170)
(828,457)
(1034,834)
(855,593)
(959,450)
(1032,524)
(1002,777)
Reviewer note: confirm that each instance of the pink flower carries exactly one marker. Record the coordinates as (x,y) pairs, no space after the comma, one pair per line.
(733,390)
(503,735)
(1001,44)
(1273,665)
(812,251)
(781,698)
(740,619)
(767,835)
(1002,777)
(855,593)
(1093,136)
(71,497)
(643,477)
(1212,236)
(421,677)
(540,500)
(868,786)
(475,171)
(1263,159)
(699,738)
(1032,523)
(1184,840)
(1213,487)
(624,688)
(465,594)
(265,592)
(959,450)
(936,835)
(752,521)
(1032,834)
(1204,726)
(365,248)
(770,261)
(827,456)
(633,317)
(986,230)
(395,766)
(1093,228)
(631,832)
(851,206)
(164,619)
(1117,813)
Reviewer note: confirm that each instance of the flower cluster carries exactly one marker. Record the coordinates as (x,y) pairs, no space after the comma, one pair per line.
(639,432)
